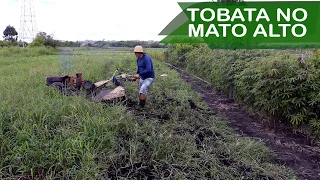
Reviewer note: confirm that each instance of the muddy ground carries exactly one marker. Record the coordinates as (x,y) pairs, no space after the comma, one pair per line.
(292,150)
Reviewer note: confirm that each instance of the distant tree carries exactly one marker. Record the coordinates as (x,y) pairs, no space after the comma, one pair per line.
(10,34)
(42,39)
(50,41)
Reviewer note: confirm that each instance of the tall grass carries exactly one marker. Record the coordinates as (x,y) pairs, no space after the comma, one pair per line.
(27,51)
(45,134)
(159,55)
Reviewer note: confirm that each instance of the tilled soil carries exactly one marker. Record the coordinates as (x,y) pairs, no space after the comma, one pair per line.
(291,150)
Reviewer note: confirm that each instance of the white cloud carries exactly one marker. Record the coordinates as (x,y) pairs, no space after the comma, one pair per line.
(96,19)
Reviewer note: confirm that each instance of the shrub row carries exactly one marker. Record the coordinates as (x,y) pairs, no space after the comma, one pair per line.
(271,82)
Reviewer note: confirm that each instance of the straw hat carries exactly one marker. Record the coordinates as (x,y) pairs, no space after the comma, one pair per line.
(138,49)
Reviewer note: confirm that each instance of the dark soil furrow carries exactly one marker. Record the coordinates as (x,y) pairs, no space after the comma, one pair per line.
(291,150)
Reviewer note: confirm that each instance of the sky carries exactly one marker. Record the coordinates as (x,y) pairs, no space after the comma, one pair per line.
(78,20)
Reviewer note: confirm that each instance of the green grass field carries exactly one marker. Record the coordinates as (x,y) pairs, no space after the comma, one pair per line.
(46,135)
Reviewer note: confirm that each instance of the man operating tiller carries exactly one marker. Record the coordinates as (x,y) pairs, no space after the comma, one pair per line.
(145,73)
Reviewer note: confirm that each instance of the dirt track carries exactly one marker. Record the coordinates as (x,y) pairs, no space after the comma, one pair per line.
(290,149)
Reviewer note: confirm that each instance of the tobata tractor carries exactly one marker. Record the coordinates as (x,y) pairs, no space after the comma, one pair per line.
(97,92)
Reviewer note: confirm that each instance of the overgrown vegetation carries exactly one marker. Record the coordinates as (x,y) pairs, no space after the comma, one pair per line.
(26,52)
(270,81)
(46,135)
(7,44)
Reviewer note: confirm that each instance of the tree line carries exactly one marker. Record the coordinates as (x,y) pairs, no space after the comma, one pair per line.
(106,44)
(10,37)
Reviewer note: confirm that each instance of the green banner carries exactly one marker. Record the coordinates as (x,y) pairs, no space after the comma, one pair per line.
(247,25)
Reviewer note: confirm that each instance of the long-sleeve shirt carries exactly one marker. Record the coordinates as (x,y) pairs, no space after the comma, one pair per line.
(145,67)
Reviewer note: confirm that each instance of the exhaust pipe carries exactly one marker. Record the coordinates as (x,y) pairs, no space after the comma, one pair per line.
(78,80)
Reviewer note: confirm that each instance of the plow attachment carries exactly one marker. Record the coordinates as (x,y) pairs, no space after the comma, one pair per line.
(96,92)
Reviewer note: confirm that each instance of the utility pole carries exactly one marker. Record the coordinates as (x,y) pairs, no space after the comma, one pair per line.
(28,25)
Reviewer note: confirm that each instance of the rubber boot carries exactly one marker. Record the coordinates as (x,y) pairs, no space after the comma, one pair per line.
(142,103)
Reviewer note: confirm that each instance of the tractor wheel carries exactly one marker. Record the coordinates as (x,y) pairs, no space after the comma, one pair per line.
(87,85)
(58,86)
